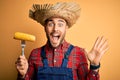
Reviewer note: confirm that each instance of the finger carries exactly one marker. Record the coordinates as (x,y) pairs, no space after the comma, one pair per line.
(105,50)
(102,42)
(22,57)
(104,47)
(20,67)
(21,62)
(97,42)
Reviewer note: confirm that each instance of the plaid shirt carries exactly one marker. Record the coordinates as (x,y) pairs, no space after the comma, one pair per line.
(77,61)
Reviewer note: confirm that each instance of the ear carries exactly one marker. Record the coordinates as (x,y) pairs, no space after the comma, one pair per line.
(67,27)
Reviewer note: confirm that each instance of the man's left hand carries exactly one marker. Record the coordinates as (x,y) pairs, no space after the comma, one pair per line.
(99,48)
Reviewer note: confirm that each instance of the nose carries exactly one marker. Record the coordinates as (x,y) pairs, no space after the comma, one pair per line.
(55,28)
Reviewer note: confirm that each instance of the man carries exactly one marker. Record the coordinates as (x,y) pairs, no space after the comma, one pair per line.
(58,59)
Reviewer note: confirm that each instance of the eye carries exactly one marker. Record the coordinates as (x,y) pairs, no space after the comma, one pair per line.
(60,24)
(50,24)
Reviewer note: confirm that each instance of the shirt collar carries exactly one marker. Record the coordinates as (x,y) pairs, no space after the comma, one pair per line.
(61,46)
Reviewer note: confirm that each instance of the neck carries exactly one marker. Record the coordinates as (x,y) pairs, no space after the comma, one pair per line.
(57,46)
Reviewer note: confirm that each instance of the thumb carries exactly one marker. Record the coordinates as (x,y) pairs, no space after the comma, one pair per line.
(22,56)
(86,52)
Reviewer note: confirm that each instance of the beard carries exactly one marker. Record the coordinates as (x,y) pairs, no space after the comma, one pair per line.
(55,41)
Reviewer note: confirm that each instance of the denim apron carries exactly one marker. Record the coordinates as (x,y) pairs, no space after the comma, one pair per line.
(55,73)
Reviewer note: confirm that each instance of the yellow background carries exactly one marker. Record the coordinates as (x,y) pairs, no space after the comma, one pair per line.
(98,17)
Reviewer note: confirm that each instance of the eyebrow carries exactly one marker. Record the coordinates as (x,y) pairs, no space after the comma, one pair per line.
(58,20)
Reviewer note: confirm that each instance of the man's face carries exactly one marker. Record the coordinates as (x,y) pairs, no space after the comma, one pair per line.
(55,30)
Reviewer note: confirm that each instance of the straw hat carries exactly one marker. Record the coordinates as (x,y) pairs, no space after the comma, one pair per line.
(69,11)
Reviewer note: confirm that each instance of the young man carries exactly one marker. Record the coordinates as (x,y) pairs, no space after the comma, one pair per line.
(58,59)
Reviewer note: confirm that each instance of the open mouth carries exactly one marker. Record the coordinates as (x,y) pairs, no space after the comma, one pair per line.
(55,38)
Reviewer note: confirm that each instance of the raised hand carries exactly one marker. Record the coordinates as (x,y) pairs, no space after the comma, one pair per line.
(99,48)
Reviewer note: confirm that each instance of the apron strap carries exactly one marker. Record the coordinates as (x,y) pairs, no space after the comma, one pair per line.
(65,60)
(44,58)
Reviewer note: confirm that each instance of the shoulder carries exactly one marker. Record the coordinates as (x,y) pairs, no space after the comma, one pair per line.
(79,50)
(35,52)
(35,55)
(80,54)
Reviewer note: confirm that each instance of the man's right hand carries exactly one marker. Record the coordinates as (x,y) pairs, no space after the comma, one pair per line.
(22,66)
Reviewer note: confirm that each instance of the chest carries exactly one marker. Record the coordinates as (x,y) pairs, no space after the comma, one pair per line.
(55,59)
